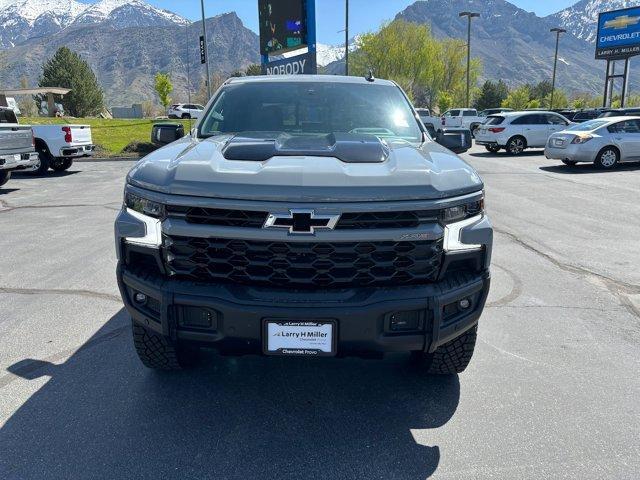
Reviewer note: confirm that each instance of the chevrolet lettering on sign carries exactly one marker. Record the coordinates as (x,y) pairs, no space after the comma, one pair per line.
(618,34)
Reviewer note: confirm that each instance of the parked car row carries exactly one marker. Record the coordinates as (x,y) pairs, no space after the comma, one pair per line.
(39,148)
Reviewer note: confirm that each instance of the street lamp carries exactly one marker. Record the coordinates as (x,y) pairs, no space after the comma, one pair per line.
(346,38)
(557,31)
(469,16)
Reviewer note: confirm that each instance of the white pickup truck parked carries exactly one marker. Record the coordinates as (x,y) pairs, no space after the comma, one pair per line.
(16,145)
(462,117)
(57,145)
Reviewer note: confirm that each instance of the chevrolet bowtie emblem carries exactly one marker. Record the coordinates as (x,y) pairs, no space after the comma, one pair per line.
(301,221)
(623,21)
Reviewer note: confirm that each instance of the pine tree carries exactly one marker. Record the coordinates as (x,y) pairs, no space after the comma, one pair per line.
(68,70)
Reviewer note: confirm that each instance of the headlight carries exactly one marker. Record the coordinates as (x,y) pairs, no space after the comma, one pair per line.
(462,212)
(144,205)
(457,218)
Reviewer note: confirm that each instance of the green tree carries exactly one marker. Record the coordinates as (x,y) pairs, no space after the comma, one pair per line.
(491,95)
(68,70)
(163,87)
(422,65)
(560,100)
(445,101)
(534,103)
(253,70)
(541,90)
(518,99)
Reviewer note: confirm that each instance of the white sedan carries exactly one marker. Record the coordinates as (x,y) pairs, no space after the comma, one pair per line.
(606,142)
(516,131)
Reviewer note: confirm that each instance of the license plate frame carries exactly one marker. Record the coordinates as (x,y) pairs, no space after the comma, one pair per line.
(297,346)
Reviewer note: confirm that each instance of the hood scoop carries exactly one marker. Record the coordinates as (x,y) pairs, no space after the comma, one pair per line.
(347,147)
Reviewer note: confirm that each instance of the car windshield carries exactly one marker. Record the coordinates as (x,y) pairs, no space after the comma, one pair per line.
(588,126)
(305,108)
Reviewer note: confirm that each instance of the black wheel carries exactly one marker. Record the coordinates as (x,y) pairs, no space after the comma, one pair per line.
(570,163)
(159,353)
(186,116)
(61,164)
(44,161)
(608,158)
(492,148)
(452,357)
(5,175)
(516,145)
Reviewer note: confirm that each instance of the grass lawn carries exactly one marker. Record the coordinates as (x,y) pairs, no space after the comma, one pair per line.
(110,135)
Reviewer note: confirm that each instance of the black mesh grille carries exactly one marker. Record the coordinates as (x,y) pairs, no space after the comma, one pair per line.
(219,216)
(302,264)
(378,220)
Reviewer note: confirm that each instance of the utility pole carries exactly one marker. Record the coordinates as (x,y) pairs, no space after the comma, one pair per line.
(346,38)
(557,31)
(206,54)
(469,16)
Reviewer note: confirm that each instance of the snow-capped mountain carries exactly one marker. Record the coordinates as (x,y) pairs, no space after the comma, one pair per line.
(24,19)
(581,19)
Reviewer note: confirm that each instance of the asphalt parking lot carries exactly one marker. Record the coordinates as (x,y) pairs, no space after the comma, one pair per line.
(552,391)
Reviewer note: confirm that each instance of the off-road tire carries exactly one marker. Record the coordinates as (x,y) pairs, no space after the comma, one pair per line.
(602,159)
(492,148)
(569,163)
(61,164)
(158,352)
(516,145)
(452,357)
(5,175)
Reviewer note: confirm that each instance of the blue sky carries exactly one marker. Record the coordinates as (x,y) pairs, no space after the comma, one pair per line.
(365,15)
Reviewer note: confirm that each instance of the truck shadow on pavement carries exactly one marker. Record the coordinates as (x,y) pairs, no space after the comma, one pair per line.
(103,415)
(52,174)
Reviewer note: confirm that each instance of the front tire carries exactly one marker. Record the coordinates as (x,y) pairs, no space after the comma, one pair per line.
(608,158)
(5,175)
(516,145)
(160,353)
(492,148)
(452,357)
(62,164)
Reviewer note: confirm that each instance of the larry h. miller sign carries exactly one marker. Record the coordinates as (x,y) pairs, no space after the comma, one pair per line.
(287,27)
(618,34)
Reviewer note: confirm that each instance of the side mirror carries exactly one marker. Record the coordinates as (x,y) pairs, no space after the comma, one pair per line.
(165,133)
(458,140)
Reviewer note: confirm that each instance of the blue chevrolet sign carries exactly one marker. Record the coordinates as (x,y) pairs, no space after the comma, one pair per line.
(618,34)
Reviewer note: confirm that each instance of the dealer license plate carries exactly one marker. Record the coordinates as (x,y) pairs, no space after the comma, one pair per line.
(302,338)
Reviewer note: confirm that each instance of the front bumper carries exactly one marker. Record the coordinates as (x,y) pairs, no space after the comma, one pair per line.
(18,161)
(77,151)
(362,315)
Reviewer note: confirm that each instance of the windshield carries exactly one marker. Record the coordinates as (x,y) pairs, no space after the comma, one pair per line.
(588,126)
(312,108)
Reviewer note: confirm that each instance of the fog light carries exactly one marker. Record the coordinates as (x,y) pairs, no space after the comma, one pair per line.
(140,298)
(405,321)
(464,303)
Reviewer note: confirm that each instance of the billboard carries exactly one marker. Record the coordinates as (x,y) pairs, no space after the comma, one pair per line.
(283,26)
(618,34)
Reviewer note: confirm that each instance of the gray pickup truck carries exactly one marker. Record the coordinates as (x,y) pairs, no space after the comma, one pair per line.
(305,216)
(17,149)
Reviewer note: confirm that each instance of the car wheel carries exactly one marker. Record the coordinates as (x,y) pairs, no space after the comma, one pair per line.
(44,162)
(516,145)
(160,353)
(186,116)
(608,158)
(570,163)
(5,175)
(61,164)
(492,148)
(452,357)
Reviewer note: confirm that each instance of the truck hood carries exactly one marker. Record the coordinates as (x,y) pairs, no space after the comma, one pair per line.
(197,167)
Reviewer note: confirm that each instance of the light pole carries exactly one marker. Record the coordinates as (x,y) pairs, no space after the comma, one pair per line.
(469,16)
(557,31)
(206,52)
(346,38)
